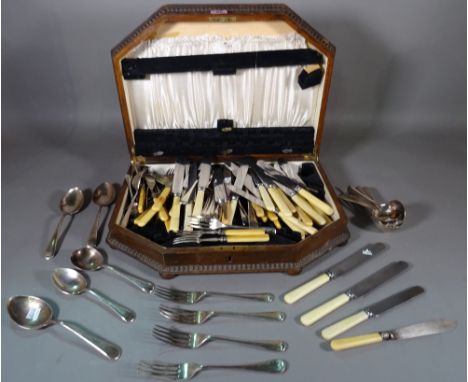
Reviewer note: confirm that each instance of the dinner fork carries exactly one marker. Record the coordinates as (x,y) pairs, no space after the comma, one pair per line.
(192,297)
(221,239)
(200,222)
(176,337)
(187,370)
(196,317)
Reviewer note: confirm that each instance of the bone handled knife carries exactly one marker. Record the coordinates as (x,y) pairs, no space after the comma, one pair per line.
(188,195)
(204,172)
(177,188)
(219,190)
(344,266)
(358,290)
(265,196)
(371,311)
(427,328)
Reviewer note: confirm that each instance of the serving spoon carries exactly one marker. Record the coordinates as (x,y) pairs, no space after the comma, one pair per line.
(103,196)
(91,259)
(33,313)
(70,281)
(70,204)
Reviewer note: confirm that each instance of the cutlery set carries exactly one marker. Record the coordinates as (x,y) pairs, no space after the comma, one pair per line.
(210,203)
(189,185)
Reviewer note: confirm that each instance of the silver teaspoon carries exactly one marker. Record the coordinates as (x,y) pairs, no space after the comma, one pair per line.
(30,312)
(91,259)
(72,282)
(103,196)
(70,204)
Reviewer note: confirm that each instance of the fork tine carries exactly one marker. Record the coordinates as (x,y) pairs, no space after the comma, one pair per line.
(171,332)
(172,290)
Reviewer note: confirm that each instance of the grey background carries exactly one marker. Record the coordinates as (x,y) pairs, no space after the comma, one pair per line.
(396,120)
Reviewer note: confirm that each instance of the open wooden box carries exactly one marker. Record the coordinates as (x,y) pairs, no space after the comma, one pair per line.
(153,70)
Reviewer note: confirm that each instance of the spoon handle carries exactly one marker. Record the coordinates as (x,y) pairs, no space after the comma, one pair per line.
(105,348)
(93,235)
(124,313)
(142,284)
(51,249)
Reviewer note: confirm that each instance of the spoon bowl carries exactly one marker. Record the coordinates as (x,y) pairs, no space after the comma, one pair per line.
(91,259)
(32,313)
(69,281)
(104,194)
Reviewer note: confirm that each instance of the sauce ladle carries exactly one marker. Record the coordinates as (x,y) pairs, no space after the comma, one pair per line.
(70,281)
(91,259)
(70,204)
(103,196)
(32,313)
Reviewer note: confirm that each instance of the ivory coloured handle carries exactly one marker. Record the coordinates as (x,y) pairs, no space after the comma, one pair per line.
(274,219)
(187,215)
(259,212)
(288,202)
(142,199)
(293,227)
(301,225)
(231,211)
(197,208)
(344,325)
(306,288)
(312,316)
(248,239)
(266,199)
(174,213)
(163,215)
(303,217)
(279,201)
(316,202)
(356,341)
(161,199)
(145,217)
(244,232)
(309,210)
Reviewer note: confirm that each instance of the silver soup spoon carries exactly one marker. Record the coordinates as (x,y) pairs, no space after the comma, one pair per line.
(70,204)
(72,282)
(30,312)
(91,259)
(103,196)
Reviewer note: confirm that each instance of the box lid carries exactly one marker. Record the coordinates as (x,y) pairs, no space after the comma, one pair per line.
(223,79)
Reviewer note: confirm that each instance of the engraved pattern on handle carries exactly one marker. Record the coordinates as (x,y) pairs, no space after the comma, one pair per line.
(274,316)
(124,313)
(272,366)
(142,284)
(51,249)
(265,297)
(274,345)
(104,347)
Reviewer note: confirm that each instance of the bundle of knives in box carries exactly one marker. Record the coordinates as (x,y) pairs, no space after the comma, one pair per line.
(246,201)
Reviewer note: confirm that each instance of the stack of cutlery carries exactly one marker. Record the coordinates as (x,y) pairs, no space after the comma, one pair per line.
(245,201)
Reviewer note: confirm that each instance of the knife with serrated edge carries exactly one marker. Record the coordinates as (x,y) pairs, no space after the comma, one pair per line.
(351,262)
(427,328)
(358,290)
(371,311)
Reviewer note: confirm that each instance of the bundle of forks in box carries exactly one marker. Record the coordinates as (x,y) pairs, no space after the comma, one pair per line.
(246,201)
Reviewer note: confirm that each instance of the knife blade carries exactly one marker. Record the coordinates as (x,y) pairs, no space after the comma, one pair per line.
(427,328)
(346,265)
(188,195)
(177,188)
(204,172)
(360,289)
(238,186)
(371,311)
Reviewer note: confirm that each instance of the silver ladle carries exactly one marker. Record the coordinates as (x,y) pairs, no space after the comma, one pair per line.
(70,204)
(91,259)
(103,196)
(32,313)
(70,281)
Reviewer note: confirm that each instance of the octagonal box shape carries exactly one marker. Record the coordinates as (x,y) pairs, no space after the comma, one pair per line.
(173,20)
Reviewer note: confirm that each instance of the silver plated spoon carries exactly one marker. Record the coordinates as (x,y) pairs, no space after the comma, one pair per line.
(70,281)
(91,259)
(32,313)
(70,204)
(103,196)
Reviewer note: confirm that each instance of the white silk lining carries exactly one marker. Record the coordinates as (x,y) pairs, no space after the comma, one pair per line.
(258,97)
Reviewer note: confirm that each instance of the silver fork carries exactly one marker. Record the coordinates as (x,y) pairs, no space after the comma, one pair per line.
(200,222)
(187,370)
(176,337)
(192,297)
(196,317)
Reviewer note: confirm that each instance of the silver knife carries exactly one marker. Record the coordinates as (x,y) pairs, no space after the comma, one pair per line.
(188,195)
(427,328)
(238,185)
(371,311)
(177,188)
(248,183)
(358,290)
(204,172)
(348,264)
